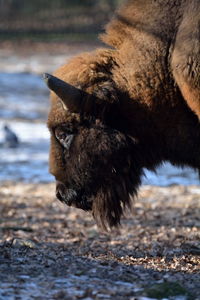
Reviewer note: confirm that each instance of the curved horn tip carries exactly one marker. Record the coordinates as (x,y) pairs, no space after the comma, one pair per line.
(69,94)
(46,77)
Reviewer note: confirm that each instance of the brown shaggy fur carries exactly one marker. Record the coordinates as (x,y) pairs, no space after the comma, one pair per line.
(140,106)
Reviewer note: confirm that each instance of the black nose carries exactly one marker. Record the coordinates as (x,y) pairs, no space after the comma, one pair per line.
(60,191)
(59,196)
(64,194)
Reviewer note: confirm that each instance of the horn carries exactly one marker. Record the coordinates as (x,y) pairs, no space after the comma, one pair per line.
(70,96)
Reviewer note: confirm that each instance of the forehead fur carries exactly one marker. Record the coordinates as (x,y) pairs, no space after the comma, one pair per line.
(58,115)
(87,67)
(84,72)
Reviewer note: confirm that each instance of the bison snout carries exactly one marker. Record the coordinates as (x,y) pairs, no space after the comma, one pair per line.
(64,194)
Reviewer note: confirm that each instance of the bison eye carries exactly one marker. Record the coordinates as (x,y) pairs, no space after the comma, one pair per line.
(65,138)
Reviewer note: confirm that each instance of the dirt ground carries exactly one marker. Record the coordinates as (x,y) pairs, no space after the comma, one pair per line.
(50,251)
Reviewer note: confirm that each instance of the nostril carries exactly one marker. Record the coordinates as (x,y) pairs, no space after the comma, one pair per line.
(60,190)
(58,195)
(65,194)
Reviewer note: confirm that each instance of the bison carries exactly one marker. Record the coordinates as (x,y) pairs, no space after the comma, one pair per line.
(131,105)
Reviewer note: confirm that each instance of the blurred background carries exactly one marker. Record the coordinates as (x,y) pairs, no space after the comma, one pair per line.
(37,36)
(58,20)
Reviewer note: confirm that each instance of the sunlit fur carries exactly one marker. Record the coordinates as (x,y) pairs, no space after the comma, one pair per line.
(140,107)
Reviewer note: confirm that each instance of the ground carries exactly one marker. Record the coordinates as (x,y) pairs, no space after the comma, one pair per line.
(50,251)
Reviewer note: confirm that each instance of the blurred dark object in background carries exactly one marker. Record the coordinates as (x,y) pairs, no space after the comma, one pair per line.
(54,20)
(10,138)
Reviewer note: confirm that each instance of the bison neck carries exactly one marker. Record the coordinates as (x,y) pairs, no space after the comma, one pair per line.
(166,132)
(181,135)
(152,109)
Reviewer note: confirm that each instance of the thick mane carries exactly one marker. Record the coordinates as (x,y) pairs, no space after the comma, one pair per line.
(116,30)
(138,17)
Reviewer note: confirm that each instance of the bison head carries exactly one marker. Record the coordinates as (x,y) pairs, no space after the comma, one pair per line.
(94,162)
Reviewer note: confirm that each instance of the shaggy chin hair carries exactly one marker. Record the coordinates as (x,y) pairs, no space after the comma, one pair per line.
(108,172)
(109,204)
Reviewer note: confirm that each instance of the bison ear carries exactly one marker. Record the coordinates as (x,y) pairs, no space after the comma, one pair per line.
(70,95)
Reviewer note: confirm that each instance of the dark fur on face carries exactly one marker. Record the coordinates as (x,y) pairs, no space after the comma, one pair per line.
(101,171)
